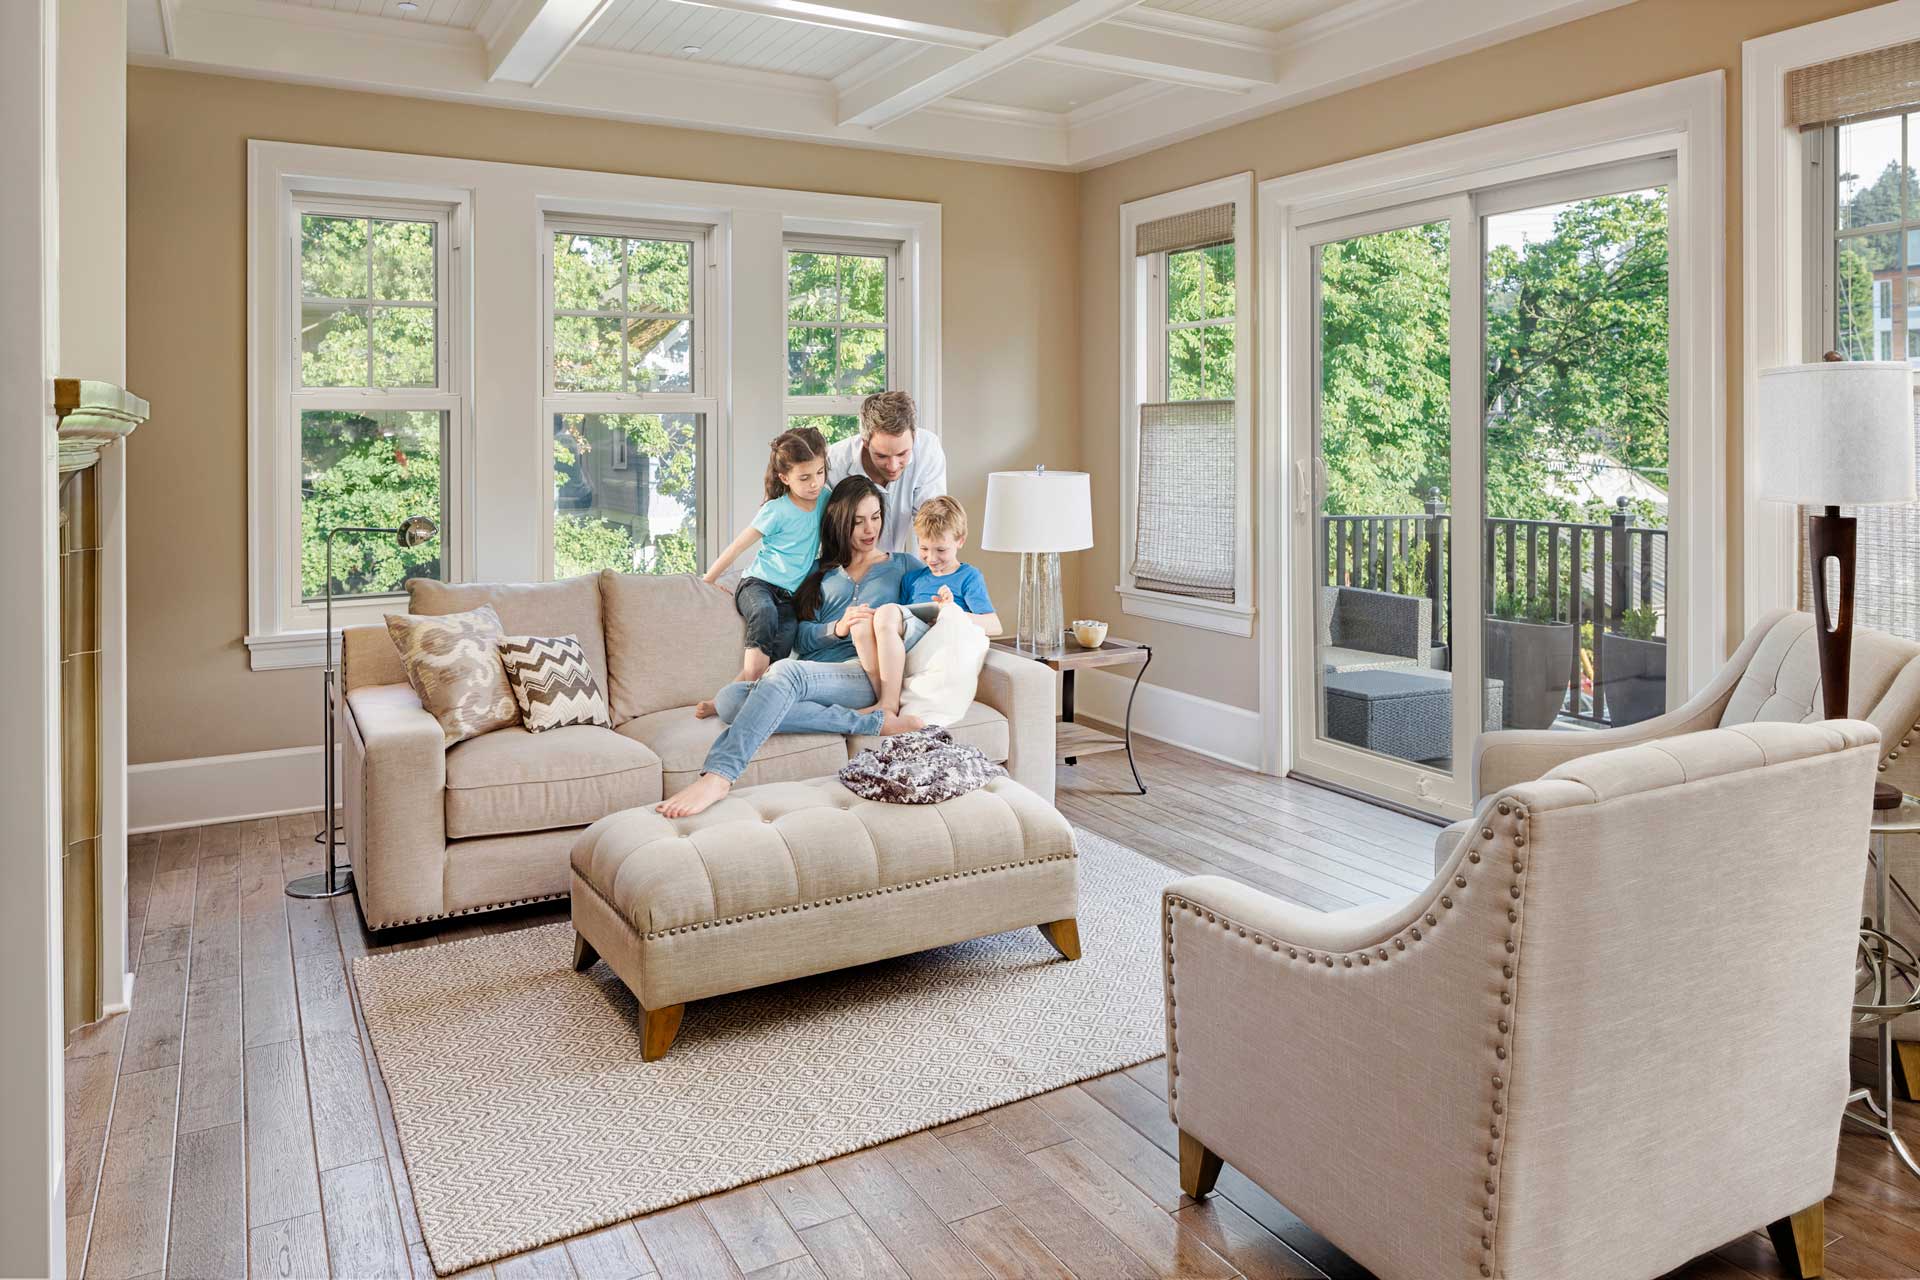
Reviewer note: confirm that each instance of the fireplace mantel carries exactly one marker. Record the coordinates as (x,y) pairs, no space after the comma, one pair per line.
(92,416)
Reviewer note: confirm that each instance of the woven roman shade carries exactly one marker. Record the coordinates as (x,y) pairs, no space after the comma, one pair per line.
(1185,525)
(1189,230)
(1886,593)
(1861,85)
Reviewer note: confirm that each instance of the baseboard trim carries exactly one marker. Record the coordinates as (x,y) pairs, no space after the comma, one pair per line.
(169,794)
(1216,730)
(124,1003)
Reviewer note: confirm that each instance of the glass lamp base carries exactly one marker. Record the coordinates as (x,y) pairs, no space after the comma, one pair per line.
(1042,620)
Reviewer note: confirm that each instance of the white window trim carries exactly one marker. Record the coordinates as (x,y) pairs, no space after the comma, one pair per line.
(1143,375)
(899,325)
(708,358)
(1685,118)
(274,296)
(1780,322)
(506,441)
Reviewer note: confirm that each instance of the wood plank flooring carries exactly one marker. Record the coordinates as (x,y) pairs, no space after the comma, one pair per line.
(232,1123)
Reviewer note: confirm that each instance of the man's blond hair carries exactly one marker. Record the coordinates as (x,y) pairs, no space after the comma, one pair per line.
(887,413)
(941,515)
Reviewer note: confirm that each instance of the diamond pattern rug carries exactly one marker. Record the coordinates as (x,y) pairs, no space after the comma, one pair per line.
(526,1115)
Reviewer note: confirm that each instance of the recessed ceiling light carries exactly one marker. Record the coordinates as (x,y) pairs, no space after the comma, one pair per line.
(689,48)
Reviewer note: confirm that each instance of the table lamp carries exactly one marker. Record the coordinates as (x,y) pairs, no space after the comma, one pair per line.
(1039,514)
(1838,433)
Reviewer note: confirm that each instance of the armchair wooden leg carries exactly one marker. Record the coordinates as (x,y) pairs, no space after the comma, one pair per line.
(658,1027)
(1199,1167)
(1801,1242)
(583,953)
(1065,937)
(1906,1070)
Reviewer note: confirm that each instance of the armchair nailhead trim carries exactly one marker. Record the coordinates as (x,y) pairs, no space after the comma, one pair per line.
(1514,836)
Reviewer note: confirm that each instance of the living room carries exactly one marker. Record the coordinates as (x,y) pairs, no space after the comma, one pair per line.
(1001,637)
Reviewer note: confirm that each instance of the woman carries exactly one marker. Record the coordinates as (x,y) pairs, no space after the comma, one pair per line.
(818,690)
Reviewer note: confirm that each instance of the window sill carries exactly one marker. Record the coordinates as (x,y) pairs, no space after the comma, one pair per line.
(285,650)
(1208,615)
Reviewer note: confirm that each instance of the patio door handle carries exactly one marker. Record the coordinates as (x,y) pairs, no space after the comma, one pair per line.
(1302,487)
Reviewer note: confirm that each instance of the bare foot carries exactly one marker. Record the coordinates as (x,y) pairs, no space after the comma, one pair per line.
(704,709)
(896,723)
(696,797)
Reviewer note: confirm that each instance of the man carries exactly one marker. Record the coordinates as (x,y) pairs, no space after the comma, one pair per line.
(908,467)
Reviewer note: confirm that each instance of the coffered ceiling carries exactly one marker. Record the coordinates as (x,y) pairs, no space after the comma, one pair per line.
(1065,84)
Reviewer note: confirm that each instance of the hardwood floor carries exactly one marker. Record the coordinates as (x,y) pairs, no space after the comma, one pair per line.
(231,1123)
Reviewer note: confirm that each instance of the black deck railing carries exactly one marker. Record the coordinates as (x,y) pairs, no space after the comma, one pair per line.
(1550,570)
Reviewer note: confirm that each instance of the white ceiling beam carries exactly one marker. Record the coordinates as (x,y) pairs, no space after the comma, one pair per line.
(526,39)
(961,24)
(1172,57)
(1039,24)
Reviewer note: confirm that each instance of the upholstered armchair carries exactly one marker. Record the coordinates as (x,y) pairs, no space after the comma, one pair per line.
(1610,1036)
(1774,675)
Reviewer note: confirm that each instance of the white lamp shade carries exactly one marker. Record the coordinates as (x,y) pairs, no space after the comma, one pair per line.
(1838,433)
(1038,511)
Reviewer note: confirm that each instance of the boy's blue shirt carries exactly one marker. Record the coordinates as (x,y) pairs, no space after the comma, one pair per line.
(969,588)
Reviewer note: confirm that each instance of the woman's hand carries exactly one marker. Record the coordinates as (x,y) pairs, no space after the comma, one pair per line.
(854,615)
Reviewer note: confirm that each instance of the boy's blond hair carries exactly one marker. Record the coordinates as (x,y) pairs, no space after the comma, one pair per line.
(941,515)
(887,413)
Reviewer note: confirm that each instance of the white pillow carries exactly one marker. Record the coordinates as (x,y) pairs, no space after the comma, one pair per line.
(943,670)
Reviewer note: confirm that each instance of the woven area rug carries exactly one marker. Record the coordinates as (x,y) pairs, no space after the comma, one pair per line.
(526,1115)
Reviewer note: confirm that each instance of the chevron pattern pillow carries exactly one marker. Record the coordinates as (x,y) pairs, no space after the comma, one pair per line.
(553,682)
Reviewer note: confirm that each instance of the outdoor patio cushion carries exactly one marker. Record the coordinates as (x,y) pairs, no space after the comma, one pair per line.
(511,780)
(1334,657)
(682,743)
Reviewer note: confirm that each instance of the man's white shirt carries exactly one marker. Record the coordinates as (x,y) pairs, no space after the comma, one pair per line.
(925,477)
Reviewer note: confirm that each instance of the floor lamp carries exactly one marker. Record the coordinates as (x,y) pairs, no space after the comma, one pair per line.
(1039,514)
(1833,434)
(336,880)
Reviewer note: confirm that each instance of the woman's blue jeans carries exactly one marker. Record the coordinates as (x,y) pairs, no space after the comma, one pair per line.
(793,697)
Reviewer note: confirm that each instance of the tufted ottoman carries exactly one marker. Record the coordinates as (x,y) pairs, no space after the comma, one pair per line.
(795,878)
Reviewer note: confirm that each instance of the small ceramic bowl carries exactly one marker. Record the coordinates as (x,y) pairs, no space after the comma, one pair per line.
(1090,632)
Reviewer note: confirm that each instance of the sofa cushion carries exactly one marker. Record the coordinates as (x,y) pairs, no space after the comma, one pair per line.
(981,727)
(570,607)
(453,664)
(512,780)
(682,743)
(671,641)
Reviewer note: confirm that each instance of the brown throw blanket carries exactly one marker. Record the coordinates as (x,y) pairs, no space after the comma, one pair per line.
(923,767)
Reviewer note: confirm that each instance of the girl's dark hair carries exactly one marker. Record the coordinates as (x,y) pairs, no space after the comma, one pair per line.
(788,450)
(836,539)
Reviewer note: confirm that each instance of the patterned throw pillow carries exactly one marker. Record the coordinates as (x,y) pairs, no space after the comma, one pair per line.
(553,682)
(453,663)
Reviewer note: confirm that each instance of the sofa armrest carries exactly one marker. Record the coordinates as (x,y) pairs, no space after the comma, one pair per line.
(1022,690)
(367,656)
(395,774)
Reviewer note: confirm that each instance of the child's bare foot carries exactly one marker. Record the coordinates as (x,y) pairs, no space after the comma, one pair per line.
(696,797)
(704,709)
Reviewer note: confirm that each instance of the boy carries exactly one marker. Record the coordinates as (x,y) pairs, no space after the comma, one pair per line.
(941,527)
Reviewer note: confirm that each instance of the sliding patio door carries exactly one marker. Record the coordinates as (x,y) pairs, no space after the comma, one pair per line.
(1480,400)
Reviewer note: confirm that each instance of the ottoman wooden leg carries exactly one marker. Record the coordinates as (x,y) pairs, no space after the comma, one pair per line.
(1065,937)
(583,953)
(1801,1242)
(1906,1069)
(658,1027)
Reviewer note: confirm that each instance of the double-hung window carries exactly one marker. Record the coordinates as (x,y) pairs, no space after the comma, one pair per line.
(629,398)
(373,391)
(1185,429)
(842,344)
(1865,303)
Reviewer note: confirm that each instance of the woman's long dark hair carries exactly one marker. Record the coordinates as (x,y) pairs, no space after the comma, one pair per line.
(836,539)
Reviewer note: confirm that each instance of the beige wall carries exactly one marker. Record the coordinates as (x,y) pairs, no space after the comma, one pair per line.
(1009,320)
(1627,48)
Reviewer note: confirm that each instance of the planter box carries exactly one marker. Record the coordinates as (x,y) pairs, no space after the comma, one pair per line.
(1633,678)
(1534,661)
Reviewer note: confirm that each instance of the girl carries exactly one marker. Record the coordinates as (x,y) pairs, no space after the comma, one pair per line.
(787,527)
(817,690)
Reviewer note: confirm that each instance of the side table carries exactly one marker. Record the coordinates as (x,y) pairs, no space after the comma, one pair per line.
(1891,985)
(1071,741)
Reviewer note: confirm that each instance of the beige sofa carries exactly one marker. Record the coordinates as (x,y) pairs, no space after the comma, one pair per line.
(435,831)
(1611,1035)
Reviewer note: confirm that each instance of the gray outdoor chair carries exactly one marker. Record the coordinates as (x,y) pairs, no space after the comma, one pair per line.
(1364,630)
